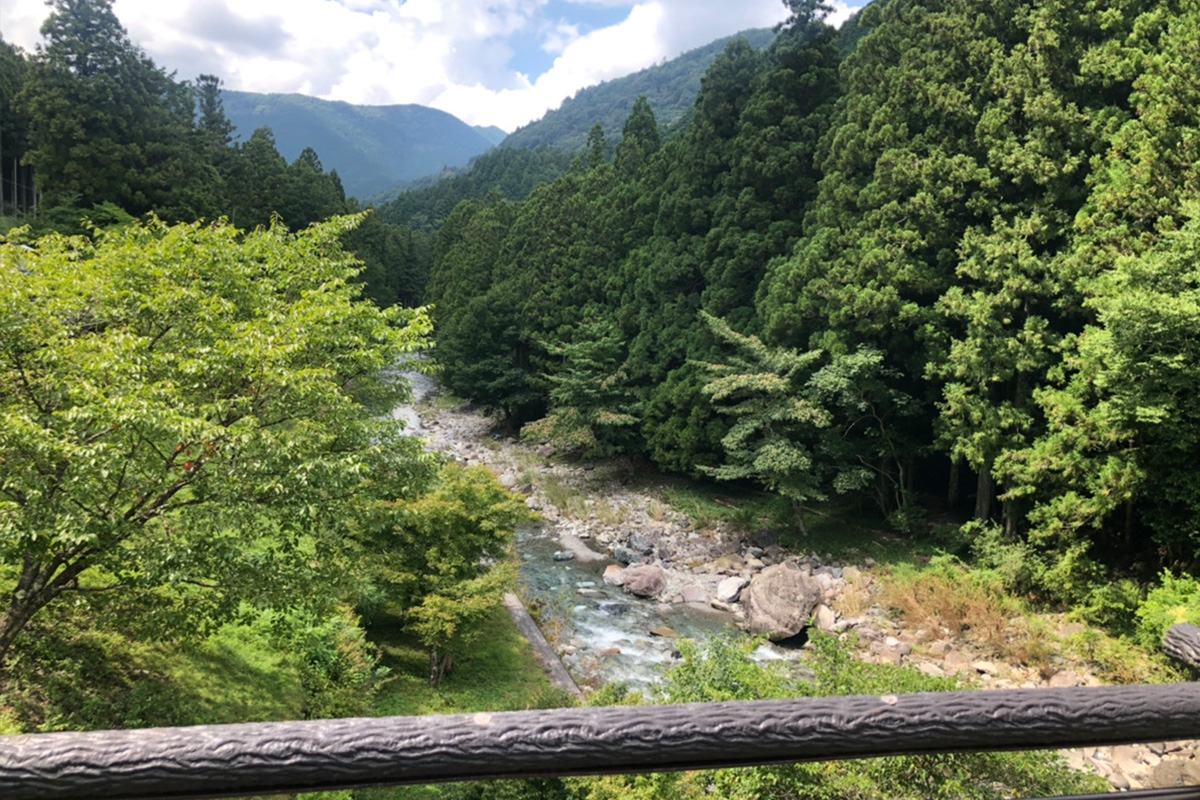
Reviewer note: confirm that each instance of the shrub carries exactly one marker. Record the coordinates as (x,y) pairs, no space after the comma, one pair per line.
(721,669)
(1176,600)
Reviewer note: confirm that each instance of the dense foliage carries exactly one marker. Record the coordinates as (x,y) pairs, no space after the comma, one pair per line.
(194,435)
(509,172)
(950,261)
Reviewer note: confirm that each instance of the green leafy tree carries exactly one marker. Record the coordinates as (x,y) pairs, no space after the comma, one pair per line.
(445,557)
(477,297)
(593,410)
(190,418)
(774,425)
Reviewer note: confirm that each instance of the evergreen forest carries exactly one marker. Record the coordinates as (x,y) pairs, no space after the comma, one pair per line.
(944,273)
(91,129)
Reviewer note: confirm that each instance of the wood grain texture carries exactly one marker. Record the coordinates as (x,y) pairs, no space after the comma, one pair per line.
(262,758)
(1182,642)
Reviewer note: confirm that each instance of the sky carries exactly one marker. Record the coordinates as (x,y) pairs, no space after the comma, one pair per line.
(488,62)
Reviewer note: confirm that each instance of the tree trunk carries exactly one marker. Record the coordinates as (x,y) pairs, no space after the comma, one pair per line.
(20,610)
(1009,510)
(799,509)
(985,492)
(38,585)
(11,623)
(438,666)
(952,489)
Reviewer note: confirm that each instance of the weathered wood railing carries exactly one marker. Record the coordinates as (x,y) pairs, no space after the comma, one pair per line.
(284,757)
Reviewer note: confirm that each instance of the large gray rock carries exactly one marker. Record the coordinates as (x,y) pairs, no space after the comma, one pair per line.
(729,589)
(645,580)
(780,601)
(625,556)
(1172,774)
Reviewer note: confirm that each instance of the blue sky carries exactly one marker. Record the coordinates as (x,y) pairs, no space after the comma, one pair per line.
(488,62)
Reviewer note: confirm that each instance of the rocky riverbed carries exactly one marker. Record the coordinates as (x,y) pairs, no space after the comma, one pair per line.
(638,545)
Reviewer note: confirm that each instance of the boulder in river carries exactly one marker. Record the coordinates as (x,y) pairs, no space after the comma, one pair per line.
(780,601)
(694,594)
(645,580)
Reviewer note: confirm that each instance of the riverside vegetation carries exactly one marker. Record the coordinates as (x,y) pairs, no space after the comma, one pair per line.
(937,268)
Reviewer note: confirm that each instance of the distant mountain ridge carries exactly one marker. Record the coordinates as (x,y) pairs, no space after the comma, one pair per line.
(373,148)
(670,87)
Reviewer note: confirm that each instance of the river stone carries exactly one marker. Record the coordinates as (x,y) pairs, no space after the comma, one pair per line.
(694,594)
(780,602)
(930,669)
(614,575)
(730,562)
(1173,774)
(625,556)
(642,543)
(986,668)
(729,589)
(1064,679)
(955,660)
(564,555)
(825,618)
(645,580)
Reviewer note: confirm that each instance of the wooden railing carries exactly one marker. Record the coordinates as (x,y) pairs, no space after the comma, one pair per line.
(287,757)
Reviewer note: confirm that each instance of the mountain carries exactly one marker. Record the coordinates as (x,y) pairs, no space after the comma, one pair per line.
(492,133)
(373,148)
(670,87)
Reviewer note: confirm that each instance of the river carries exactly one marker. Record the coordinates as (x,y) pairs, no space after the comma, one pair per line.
(602,634)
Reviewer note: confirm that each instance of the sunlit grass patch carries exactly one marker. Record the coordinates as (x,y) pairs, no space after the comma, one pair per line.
(496,672)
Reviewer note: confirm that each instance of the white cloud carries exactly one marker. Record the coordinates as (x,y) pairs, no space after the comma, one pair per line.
(556,39)
(842,12)
(450,54)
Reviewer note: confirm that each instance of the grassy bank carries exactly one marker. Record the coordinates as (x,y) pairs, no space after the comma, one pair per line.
(497,671)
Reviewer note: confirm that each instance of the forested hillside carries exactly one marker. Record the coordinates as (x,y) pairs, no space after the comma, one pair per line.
(670,87)
(102,133)
(373,148)
(952,272)
(510,172)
